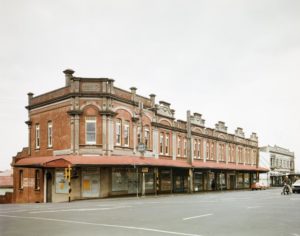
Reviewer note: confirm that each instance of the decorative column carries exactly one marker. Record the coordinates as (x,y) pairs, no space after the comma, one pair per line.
(174,145)
(204,150)
(155,142)
(104,136)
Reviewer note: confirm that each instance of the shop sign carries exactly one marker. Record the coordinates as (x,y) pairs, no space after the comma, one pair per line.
(145,169)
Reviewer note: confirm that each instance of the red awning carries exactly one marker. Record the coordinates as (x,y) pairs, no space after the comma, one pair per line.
(64,161)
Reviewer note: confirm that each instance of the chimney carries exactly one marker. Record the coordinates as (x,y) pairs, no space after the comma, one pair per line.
(152,98)
(133,93)
(68,75)
(30,95)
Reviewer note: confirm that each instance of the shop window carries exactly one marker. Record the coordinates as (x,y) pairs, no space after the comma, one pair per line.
(118,132)
(165,180)
(90,130)
(119,179)
(37,184)
(126,134)
(21,179)
(37,136)
(50,136)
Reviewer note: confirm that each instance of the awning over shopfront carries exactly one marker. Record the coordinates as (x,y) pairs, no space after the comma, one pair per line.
(64,161)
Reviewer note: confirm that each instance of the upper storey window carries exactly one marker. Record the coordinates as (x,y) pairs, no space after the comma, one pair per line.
(50,136)
(147,137)
(126,134)
(37,136)
(161,143)
(167,144)
(90,130)
(179,147)
(118,132)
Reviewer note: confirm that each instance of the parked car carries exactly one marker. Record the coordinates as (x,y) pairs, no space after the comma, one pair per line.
(296,186)
(258,186)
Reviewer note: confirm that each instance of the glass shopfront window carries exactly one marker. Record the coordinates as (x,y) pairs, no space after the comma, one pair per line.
(240,183)
(90,182)
(119,179)
(211,181)
(246,180)
(222,181)
(149,181)
(61,184)
(198,181)
(165,180)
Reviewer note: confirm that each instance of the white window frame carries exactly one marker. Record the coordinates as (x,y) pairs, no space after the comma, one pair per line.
(50,134)
(199,149)
(147,137)
(161,143)
(126,131)
(91,120)
(167,144)
(185,148)
(37,136)
(178,147)
(118,132)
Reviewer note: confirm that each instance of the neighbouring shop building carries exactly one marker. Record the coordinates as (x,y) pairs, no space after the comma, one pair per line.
(120,143)
(280,161)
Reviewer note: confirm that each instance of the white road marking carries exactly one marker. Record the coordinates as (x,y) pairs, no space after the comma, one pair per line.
(295,234)
(79,209)
(193,217)
(103,225)
(253,207)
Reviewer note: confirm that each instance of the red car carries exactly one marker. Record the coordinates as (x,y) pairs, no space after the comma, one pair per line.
(258,186)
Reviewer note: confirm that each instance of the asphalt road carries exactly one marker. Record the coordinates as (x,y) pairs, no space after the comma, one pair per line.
(239,213)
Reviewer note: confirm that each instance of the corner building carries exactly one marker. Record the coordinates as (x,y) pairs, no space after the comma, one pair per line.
(120,143)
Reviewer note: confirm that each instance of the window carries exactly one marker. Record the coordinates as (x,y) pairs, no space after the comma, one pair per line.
(50,134)
(90,129)
(126,134)
(37,180)
(222,152)
(207,150)
(118,132)
(178,147)
(139,135)
(167,144)
(161,143)
(185,148)
(21,179)
(199,149)
(212,151)
(147,137)
(195,148)
(37,136)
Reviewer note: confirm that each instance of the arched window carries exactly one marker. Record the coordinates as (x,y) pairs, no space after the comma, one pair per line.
(90,130)
(167,144)
(161,143)
(126,133)
(147,136)
(118,132)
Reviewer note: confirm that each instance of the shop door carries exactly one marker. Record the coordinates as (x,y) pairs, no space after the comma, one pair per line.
(49,187)
(178,184)
(232,181)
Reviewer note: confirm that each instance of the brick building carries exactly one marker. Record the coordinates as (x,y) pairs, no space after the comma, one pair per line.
(119,143)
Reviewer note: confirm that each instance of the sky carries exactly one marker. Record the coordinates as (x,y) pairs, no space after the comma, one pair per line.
(232,61)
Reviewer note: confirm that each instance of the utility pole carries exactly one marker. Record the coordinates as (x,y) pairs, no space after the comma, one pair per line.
(190,150)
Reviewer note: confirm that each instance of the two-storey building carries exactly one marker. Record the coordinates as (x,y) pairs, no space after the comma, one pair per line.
(119,143)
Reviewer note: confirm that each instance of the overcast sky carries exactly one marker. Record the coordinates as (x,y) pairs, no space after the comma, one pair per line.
(234,61)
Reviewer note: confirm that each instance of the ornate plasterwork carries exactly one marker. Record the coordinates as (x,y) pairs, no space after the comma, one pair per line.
(164,109)
(240,133)
(196,119)
(220,126)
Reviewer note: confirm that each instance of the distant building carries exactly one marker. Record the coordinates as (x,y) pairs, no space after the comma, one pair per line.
(120,143)
(280,161)
(6,186)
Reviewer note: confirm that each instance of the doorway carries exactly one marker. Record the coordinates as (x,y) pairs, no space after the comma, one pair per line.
(49,187)
(232,182)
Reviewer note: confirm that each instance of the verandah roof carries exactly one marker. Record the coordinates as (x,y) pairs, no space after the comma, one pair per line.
(64,161)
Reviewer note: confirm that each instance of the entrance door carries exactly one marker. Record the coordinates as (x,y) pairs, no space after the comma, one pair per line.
(90,182)
(178,184)
(232,181)
(49,187)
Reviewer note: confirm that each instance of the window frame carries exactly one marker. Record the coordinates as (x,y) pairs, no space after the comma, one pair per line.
(91,120)
(50,134)
(37,136)
(126,131)
(118,132)
(37,180)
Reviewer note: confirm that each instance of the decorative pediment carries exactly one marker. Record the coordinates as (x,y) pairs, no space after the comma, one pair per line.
(164,109)
(220,126)
(196,119)
(239,132)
